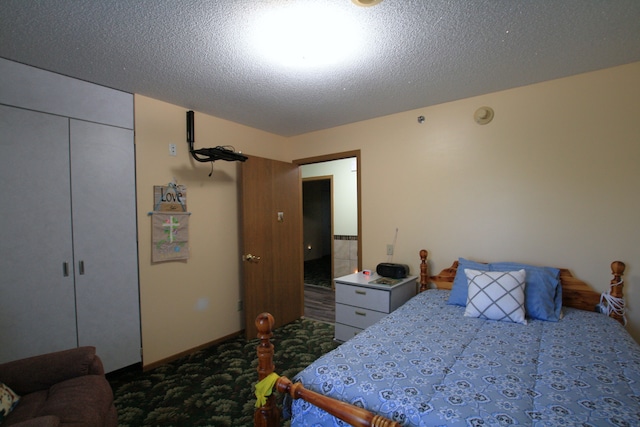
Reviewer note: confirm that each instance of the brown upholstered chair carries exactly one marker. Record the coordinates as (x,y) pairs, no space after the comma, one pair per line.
(60,389)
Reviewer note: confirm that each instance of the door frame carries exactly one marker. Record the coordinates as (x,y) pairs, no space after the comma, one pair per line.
(339,156)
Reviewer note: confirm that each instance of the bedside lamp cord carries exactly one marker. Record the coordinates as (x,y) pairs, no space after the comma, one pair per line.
(613,304)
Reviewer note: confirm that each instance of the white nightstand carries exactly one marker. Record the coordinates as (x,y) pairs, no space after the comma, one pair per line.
(360,303)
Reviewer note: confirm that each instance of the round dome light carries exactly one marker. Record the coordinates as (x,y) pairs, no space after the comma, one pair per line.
(366,2)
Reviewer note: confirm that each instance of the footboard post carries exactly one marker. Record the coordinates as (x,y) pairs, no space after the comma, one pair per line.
(424,271)
(268,415)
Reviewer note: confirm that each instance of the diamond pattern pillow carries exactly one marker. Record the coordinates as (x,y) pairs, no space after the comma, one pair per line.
(496,295)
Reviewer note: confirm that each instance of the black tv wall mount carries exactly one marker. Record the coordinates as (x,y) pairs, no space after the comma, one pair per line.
(210,154)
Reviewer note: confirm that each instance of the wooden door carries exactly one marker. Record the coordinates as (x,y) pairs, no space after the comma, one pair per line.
(271,201)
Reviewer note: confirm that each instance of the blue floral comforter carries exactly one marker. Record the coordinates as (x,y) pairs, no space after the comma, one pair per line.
(427,365)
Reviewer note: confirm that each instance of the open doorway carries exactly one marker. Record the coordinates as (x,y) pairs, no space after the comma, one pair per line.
(335,229)
(317,214)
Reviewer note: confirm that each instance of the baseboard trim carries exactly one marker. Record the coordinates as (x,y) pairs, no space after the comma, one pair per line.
(170,359)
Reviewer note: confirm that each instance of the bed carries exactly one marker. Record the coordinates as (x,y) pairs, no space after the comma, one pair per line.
(434,363)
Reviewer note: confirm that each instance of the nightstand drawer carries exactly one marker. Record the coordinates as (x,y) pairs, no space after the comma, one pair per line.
(357,316)
(359,296)
(346,332)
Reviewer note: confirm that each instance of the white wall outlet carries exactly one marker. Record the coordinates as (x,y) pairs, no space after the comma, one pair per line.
(173,150)
(389,249)
(240,305)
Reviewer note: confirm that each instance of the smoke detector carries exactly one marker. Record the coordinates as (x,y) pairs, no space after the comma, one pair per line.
(483,115)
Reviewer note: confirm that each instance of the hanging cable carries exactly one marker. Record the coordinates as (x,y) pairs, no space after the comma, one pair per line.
(613,305)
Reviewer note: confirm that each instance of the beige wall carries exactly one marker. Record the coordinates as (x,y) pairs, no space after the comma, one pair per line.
(345,192)
(187,304)
(553,180)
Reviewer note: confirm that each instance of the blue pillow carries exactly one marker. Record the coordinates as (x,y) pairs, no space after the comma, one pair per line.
(460,288)
(542,292)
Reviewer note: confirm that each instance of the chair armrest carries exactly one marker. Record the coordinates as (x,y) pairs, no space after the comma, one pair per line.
(41,372)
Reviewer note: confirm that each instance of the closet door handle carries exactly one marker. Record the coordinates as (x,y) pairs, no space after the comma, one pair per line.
(81,267)
(65,269)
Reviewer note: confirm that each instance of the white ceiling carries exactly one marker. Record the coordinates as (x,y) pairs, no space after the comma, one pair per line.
(204,55)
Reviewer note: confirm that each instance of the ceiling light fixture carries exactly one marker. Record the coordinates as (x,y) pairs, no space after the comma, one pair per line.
(305,35)
(366,3)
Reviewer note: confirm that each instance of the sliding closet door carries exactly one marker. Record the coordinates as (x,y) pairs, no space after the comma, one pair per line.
(105,243)
(37,304)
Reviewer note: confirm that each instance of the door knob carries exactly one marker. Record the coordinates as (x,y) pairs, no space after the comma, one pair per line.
(250,258)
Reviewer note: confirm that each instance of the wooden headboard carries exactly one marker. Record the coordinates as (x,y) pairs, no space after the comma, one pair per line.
(575,292)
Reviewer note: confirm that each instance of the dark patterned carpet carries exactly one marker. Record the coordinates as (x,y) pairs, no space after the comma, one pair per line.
(318,272)
(214,387)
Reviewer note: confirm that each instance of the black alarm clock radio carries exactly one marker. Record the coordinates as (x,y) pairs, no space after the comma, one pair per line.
(393,271)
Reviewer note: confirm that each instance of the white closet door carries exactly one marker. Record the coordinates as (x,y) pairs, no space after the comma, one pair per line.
(105,242)
(37,304)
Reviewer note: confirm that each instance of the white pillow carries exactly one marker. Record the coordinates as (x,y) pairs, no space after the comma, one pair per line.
(496,295)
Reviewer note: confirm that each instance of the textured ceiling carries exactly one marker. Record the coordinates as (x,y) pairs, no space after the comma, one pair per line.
(206,55)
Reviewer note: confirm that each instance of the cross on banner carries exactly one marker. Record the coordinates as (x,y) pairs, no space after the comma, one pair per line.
(170,236)
(171,226)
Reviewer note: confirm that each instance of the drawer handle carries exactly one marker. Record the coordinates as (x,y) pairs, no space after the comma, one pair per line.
(361,292)
(361,313)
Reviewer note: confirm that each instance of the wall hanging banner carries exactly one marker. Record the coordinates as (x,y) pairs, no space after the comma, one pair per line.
(170,198)
(170,236)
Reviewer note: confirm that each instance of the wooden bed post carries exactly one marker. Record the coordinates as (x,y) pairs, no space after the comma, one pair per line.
(617,269)
(267,415)
(424,271)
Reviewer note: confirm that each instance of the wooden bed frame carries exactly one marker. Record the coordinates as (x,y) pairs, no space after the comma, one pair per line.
(575,293)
